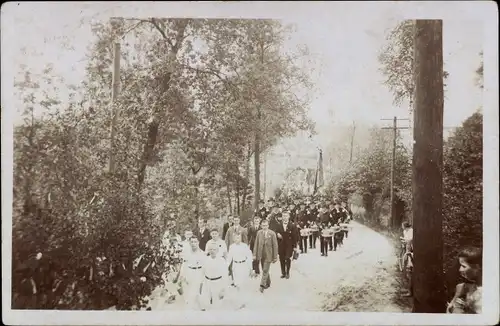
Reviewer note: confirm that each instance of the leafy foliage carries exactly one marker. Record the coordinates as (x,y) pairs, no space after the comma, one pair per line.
(463,192)
(369,176)
(194,92)
(396,59)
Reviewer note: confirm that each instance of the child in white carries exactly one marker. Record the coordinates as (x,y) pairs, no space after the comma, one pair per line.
(192,274)
(241,256)
(218,242)
(215,278)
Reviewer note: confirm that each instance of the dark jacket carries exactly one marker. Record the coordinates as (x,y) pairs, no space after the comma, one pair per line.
(225,228)
(202,237)
(288,241)
(252,234)
(312,214)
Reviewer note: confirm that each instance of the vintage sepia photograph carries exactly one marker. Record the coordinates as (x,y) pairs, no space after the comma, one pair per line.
(255,159)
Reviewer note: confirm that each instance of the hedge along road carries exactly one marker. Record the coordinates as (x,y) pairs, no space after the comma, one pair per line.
(360,276)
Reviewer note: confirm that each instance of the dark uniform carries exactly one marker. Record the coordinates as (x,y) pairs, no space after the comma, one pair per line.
(274,221)
(293,213)
(348,213)
(252,234)
(263,213)
(338,218)
(302,226)
(324,219)
(312,218)
(337,239)
(286,246)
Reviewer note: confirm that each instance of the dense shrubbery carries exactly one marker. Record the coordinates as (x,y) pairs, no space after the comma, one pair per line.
(463,193)
(366,183)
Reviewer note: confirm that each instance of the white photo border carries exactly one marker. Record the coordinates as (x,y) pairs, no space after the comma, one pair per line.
(483,11)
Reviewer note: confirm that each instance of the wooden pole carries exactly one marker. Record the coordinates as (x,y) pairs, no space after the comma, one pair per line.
(352,141)
(393,167)
(114,110)
(393,219)
(428,281)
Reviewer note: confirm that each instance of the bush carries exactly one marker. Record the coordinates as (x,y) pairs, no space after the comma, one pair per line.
(463,194)
(368,179)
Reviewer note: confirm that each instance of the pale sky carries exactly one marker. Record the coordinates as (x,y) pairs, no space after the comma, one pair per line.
(345,39)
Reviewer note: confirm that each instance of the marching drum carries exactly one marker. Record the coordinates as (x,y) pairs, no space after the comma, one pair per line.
(325,233)
(305,232)
(336,229)
(344,226)
(314,228)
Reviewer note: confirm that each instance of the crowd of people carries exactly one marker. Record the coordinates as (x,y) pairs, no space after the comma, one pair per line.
(212,261)
(279,230)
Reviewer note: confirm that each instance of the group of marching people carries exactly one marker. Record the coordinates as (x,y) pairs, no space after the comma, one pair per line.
(211,262)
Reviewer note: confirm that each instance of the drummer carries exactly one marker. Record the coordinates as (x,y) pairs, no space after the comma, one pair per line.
(305,232)
(337,236)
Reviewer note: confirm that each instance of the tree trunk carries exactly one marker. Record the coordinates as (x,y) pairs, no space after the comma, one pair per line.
(256,157)
(237,195)
(428,168)
(229,201)
(247,177)
(197,202)
(154,124)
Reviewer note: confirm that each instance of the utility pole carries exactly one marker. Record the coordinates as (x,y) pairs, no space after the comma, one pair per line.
(427,204)
(352,140)
(114,110)
(394,221)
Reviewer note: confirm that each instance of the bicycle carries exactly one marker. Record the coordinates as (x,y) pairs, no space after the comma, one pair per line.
(405,258)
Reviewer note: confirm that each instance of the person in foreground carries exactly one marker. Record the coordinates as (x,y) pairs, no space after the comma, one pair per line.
(191,274)
(215,280)
(266,252)
(240,256)
(287,244)
(468,295)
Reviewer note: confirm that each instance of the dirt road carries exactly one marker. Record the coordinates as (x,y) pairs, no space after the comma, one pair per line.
(357,277)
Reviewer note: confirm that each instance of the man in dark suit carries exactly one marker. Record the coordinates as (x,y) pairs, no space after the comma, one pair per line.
(252,235)
(261,210)
(266,252)
(301,213)
(274,220)
(202,233)
(226,226)
(287,243)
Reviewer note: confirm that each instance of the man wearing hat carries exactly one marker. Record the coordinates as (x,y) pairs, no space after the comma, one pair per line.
(262,210)
(275,220)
